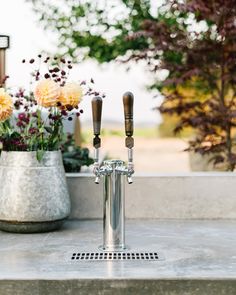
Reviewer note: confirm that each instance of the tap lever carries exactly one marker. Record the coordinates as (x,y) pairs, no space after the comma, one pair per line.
(128,101)
(97,114)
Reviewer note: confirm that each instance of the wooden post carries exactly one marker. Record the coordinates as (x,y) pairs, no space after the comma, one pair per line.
(2,66)
(4,45)
(77,132)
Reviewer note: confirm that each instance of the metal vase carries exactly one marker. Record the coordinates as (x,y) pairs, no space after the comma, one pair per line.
(33,195)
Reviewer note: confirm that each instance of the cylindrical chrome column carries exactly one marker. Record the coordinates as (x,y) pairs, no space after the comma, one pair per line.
(114,207)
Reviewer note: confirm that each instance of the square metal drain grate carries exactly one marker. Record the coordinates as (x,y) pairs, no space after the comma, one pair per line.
(110,256)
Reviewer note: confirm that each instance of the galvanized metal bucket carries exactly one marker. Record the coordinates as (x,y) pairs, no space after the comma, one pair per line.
(33,195)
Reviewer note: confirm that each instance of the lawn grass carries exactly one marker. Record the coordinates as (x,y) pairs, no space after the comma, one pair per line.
(146,132)
(150,132)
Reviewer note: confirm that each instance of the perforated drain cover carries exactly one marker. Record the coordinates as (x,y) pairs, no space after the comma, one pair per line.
(108,256)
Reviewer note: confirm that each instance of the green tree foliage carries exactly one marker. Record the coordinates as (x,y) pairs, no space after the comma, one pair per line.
(95,28)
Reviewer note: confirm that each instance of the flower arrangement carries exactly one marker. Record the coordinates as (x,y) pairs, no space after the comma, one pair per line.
(33,120)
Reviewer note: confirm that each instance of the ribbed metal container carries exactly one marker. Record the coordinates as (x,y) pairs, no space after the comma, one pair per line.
(33,195)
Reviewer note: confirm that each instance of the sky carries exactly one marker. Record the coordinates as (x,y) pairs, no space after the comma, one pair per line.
(28,39)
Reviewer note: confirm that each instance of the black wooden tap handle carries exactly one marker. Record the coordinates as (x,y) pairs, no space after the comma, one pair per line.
(128,101)
(97,114)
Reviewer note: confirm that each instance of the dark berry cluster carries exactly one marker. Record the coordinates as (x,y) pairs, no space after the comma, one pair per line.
(57,69)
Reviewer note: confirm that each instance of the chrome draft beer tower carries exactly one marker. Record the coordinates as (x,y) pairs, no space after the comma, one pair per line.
(113,173)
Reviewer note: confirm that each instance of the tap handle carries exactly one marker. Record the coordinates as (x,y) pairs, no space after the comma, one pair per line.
(97,115)
(128,101)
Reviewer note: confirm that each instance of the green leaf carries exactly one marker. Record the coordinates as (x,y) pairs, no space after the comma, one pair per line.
(48,129)
(40,154)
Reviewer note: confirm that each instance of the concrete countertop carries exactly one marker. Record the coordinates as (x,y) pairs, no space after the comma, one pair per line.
(198,257)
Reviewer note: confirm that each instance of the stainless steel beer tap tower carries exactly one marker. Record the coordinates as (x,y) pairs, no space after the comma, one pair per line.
(113,173)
